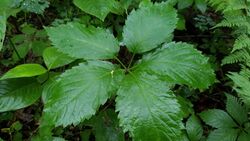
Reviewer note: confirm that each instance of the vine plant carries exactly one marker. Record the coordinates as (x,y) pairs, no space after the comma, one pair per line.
(147,107)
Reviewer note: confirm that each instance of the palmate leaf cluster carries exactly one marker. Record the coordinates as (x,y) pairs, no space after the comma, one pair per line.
(146,106)
(230,125)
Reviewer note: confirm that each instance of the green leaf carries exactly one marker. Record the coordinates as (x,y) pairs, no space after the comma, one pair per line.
(181,25)
(80,91)
(97,8)
(106,127)
(194,128)
(244,136)
(183,137)
(201,5)
(179,63)
(83,42)
(58,139)
(38,47)
(236,109)
(48,86)
(3,20)
(22,50)
(242,86)
(184,3)
(186,106)
(223,135)
(125,3)
(36,6)
(24,70)
(18,93)
(149,111)
(148,27)
(217,118)
(54,59)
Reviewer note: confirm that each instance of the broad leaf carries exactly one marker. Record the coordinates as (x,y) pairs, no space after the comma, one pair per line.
(244,136)
(83,42)
(236,109)
(217,118)
(98,8)
(148,27)
(54,59)
(224,134)
(25,70)
(147,109)
(80,91)
(194,128)
(179,63)
(106,126)
(18,93)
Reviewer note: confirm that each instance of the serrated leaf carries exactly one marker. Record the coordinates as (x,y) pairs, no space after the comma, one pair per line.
(106,127)
(186,106)
(179,63)
(24,70)
(194,128)
(148,27)
(236,109)
(184,137)
(83,42)
(244,136)
(18,93)
(217,118)
(97,8)
(80,91)
(224,134)
(36,6)
(149,111)
(54,59)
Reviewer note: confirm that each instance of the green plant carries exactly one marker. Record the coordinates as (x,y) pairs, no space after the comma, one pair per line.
(147,107)
(194,128)
(232,125)
(236,16)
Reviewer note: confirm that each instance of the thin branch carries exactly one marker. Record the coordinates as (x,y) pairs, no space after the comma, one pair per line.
(131,60)
(14,48)
(117,59)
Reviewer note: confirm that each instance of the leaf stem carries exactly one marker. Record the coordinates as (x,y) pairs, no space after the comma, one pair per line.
(14,48)
(131,60)
(117,59)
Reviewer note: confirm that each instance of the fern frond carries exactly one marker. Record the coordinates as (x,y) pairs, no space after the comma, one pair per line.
(233,5)
(227,5)
(242,86)
(241,42)
(235,57)
(234,19)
